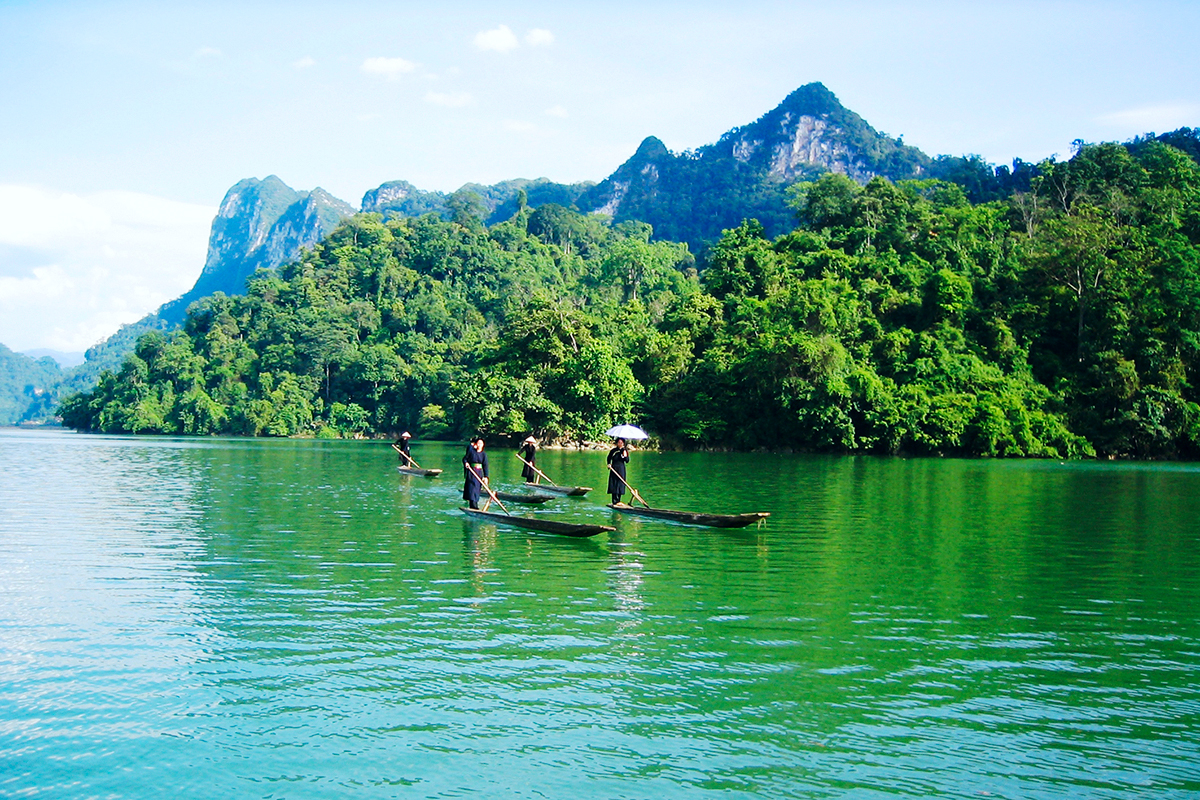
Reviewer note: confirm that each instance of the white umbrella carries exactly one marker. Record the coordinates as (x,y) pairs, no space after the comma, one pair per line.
(627,432)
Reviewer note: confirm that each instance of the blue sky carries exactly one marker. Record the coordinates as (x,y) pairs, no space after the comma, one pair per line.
(125,123)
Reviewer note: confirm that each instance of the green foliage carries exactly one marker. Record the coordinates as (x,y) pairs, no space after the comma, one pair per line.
(432,422)
(1059,320)
(439,326)
(28,393)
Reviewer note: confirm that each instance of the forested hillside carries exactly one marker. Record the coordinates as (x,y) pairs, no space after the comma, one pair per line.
(686,197)
(25,394)
(896,318)
(692,196)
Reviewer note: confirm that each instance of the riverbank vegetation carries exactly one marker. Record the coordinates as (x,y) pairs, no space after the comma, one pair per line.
(1061,320)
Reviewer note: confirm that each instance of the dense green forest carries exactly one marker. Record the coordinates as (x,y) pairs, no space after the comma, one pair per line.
(1058,318)
(21,395)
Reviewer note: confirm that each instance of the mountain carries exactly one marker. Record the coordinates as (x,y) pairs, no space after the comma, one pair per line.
(810,128)
(27,387)
(260,225)
(65,360)
(689,197)
(498,201)
(693,196)
(401,197)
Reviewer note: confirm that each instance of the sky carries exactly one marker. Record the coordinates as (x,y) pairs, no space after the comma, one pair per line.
(123,124)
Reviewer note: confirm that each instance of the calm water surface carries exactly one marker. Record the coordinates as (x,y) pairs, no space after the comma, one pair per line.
(269,619)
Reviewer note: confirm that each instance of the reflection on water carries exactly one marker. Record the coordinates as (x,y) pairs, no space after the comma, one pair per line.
(295,619)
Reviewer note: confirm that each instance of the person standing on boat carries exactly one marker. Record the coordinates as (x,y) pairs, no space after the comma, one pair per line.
(402,446)
(528,454)
(475,471)
(618,457)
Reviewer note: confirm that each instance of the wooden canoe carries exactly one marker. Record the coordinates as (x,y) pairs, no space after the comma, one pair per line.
(424,473)
(537,524)
(691,518)
(524,497)
(569,491)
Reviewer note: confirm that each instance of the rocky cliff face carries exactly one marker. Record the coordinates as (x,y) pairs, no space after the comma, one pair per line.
(638,176)
(401,197)
(693,196)
(810,128)
(804,143)
(689,197)
(260,224)
(302,225)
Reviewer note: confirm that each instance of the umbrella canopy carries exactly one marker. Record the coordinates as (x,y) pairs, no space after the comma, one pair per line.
(627,432)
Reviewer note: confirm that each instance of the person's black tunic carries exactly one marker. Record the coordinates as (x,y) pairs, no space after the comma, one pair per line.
(477,463)
(406,454)
(529,453)
(618,457)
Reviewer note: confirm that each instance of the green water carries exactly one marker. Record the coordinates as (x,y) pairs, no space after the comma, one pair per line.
(236,618)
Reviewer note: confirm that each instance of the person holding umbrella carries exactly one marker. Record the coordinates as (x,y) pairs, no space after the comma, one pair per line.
(528,454)
(475,471)
(618,457)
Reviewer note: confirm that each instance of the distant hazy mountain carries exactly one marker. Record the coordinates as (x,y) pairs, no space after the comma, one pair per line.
(65,360)
(27,386)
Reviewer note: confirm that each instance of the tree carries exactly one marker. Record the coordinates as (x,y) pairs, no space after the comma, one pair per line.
(1076,252)
(632,259)
(827,202)
(741,264)
(467,209)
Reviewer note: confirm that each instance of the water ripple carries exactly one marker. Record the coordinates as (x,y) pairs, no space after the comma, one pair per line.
(293,619)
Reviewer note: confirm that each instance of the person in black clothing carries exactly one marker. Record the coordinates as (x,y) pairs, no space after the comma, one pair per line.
(528,454)
(402,446)
(618,457)
(475,471)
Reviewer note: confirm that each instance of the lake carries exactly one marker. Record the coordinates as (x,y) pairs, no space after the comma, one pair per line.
(267,619)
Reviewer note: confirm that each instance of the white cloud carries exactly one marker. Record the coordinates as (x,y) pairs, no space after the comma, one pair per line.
(557,111)
(1159,118)
(501,39)
(518,126)
(209,52)
(448,99)
(390,68)
(77,267)
(304,63)
(539,37)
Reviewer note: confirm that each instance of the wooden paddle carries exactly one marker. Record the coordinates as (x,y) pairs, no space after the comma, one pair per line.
(488,489)
(535,469)
(630,488)
(407,457)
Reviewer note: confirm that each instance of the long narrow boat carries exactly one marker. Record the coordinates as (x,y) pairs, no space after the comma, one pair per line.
(535,524)
(569,491)
(524,497)
(424,473)
(691,518)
